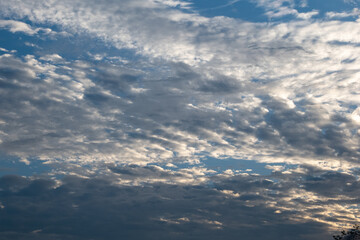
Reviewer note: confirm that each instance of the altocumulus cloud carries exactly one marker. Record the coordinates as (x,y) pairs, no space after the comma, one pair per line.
(123,94)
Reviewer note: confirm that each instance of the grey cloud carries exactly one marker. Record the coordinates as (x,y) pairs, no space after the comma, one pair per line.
(225,86)
(32,109)
(308,130)
(333,184)
(13,69)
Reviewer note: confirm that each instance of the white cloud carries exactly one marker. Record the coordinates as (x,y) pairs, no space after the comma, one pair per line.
(17,26)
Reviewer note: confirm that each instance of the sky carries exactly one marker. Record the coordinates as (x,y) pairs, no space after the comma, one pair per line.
(179,119)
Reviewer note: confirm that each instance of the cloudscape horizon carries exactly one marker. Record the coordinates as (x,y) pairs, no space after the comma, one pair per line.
(179,119)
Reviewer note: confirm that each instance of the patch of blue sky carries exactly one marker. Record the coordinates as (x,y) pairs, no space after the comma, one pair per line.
(69,46)
(331,5)
(83,48)
(22,43)
(12,165)
(249,10)
(324,7)
(239,9)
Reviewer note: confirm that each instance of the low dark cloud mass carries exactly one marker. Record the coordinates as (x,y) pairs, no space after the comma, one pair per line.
(237,207)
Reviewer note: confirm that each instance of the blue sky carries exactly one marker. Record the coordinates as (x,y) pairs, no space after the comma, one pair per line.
(171,119)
